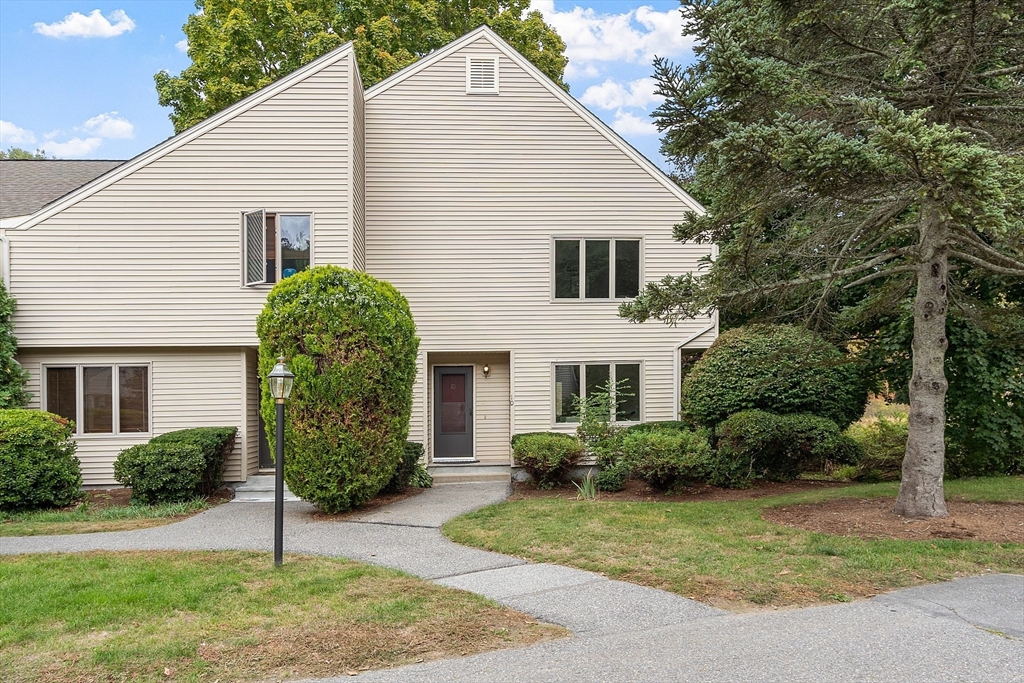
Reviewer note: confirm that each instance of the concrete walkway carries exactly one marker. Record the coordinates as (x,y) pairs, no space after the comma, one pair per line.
(966,630)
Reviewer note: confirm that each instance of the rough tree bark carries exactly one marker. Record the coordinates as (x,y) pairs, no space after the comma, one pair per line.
(921,491)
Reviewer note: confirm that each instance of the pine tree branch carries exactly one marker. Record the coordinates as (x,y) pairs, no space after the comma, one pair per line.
(981,263)
(1001,72)
(831,274)
(974,242)
(882,273)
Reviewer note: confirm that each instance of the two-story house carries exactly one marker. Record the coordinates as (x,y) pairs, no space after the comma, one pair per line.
(513,220)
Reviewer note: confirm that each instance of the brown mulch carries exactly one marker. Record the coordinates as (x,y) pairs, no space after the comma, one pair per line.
(638,491)
(874,518)
(101,499)
(379,501)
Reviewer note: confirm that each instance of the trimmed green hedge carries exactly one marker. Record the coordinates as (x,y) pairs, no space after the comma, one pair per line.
(777,368)
(351,342)
(161,472)
(670,425)
(668,458)
(38,467)
(216,443)
(406,470)
(547,456)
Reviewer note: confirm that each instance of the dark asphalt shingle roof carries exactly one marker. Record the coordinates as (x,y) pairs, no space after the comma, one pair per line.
(27,185)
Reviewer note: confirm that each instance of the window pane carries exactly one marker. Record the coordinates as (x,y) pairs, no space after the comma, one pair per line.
(627,268)
(567,386)
(453,403)
(597,269)
(627,379)
(133,398)
(294,244)
(61,398)
(567,269)
(597,380)
(271,243)
(98,396)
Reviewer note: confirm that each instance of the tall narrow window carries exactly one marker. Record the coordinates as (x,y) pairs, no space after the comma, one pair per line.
(294,231)
(133,398)
(627,268)
(627,395)
(567,269)
(597,269)
(98,400)
(271,248)
(567,387)
(61,392)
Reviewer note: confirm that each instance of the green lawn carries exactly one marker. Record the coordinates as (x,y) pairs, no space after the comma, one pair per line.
(204,616)
(89,518)
(725,554)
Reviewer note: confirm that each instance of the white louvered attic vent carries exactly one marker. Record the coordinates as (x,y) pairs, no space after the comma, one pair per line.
(481,75)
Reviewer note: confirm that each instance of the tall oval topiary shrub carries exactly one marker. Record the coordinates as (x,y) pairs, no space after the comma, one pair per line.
(777,368)
(351,342)
(38,467)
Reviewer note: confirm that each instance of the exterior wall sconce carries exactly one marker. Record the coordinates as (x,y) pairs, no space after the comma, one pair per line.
(486,370)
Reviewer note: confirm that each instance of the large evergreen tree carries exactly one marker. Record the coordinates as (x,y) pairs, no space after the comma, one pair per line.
(239,46)
(850,151)
(12,376)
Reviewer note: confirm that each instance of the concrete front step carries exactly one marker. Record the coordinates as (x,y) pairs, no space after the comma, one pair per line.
(260,488)
(456,474)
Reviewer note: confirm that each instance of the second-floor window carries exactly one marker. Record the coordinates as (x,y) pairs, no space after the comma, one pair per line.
(276,245)
(596,268)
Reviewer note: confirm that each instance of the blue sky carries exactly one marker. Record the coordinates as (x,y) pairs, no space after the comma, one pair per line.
(76,78)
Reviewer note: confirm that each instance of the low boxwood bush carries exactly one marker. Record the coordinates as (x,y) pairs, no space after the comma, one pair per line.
(547,456)
(410,461)
(161,472)
(884,443)
(756,444)
(668,458)
(612,478)
(216,443)
(38,467)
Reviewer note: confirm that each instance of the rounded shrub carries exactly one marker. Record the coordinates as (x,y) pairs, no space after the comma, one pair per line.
(613,478)
(667,458)
(884,443)
(777,368)
(547,456)
(38,467)
(216,443)
(671,425)
(161,472)
(351,342)
(407,466)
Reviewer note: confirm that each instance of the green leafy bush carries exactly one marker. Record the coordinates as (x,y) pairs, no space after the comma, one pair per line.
(776,368)
(547,456)
(407,465)
(161,472)
(671,425)
(667,458)
(612,478)
(38,467)
(12,376)
(216,443)
(884,443)
(351,342)
(756,444)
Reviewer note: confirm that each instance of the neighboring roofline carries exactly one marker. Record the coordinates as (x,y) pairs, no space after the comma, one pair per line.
(187,135)
(553,88)
(65,161)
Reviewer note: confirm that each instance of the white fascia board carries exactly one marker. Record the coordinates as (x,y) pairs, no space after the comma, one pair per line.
(186,136)
(553,88)
(13,222)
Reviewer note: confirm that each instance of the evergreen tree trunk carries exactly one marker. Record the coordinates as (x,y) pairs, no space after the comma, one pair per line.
(921,491)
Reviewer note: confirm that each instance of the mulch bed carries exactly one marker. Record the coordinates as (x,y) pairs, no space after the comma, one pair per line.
(101,499)
(638,491)
(874,518)
(379,501)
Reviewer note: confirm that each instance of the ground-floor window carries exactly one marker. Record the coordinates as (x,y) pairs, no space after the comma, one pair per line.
(581,379)
(100,399)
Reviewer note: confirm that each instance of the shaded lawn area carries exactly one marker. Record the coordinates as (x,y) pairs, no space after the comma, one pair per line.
(159,616)
(724,554)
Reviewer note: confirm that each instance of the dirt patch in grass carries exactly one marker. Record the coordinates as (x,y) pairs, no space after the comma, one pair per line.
(874,518)
(637,491)
(379,501)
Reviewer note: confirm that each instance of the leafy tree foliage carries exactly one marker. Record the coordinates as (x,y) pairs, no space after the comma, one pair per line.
(19,153)
(12,376)
(239,46)
(849,152)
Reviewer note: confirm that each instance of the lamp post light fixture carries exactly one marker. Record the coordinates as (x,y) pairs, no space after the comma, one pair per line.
(280,380)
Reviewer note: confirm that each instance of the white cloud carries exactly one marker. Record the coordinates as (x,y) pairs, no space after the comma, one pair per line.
(11,134)
(627,124)
(110,125)
(614,95)
(636,36)
(182,45)
(75,147)
(78,25)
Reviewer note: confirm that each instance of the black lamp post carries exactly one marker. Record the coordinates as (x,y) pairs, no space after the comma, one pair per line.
(280,380)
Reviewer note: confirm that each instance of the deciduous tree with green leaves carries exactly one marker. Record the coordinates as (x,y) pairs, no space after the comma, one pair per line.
(12,376)
(240,46)
(19,153)
(849,151)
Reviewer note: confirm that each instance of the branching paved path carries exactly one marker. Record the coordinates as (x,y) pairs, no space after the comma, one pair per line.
(966,630)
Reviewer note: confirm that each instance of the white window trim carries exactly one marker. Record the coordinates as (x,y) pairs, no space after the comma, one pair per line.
(116,397)
(470,90)
(277,247)
(583,383)
(583,260)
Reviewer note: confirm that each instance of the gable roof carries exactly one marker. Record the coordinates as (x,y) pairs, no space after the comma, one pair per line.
(27,185)
(567,99)
(186,136)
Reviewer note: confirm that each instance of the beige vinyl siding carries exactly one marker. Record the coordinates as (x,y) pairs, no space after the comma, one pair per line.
(251,409)
(490,404)
(358,173)
(465,194)
(155,257)
(199,387)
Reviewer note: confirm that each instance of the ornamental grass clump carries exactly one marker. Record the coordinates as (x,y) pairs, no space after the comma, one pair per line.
(351,342)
